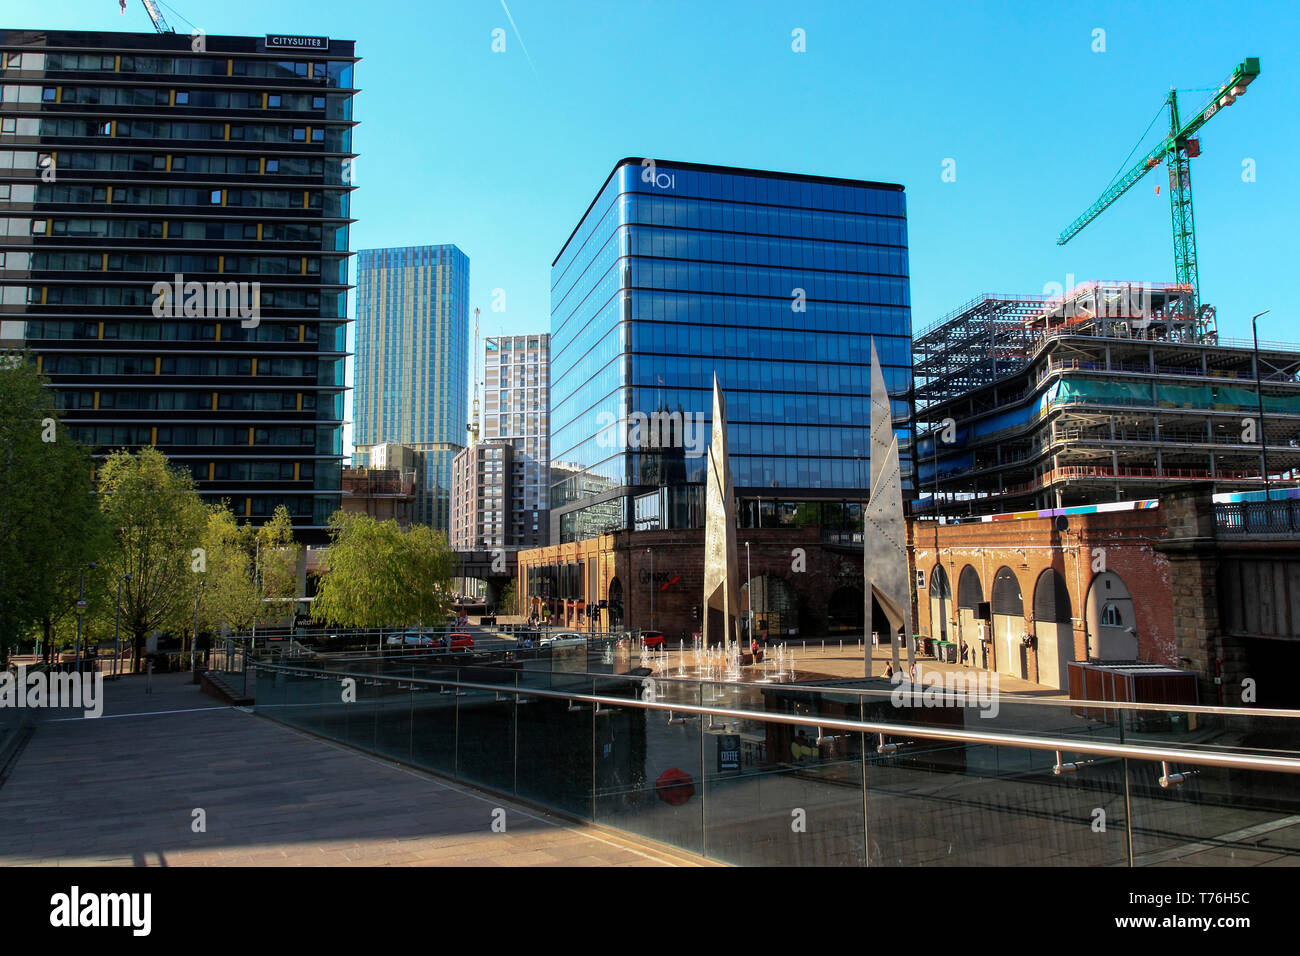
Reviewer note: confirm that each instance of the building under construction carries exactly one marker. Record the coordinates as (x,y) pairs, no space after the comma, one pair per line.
(1112,391)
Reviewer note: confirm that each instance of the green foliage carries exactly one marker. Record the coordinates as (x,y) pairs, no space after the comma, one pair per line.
(50,527)
(229,595)
(377,575)
(509,600)
(158,520)
(277,556)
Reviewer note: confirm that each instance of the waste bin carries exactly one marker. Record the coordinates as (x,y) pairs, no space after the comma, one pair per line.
(947,652)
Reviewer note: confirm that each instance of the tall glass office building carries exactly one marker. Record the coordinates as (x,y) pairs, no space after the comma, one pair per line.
(411,373)
(775,282)
(131,162)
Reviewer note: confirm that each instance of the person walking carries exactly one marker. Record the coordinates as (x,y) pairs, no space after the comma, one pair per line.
(965,652)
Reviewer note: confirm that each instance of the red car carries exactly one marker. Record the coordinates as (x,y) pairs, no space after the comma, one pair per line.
(653,639)
(461,642)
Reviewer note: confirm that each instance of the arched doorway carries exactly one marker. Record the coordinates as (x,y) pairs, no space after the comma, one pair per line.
(1110,620)
(970,595)
(844,610)
(1009,624)
(1053,629)
(940,603)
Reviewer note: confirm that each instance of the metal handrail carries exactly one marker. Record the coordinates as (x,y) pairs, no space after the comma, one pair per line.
(1072,703)
(1127,751)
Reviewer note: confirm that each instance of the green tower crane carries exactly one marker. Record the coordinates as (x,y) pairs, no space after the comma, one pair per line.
(1176,150)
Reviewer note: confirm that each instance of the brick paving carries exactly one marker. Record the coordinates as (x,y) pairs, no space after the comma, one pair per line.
(121,791)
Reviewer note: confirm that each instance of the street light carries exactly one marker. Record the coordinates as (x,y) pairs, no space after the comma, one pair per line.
(749,589)
(1259,394)
(81,609)
(117,623)
(194,640)
(652,587)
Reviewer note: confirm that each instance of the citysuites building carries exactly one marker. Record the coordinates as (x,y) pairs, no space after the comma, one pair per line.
(130,162)
(411,365)
(776,283)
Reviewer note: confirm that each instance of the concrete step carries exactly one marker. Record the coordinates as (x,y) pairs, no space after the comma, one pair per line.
(224,688)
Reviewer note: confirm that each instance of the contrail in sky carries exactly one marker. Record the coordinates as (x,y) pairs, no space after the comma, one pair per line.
(517,36)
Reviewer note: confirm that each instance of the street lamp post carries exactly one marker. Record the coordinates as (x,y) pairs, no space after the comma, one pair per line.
(1259,394)
(749,589)
(652,587)
(117,628)
(194,639)
(81,609)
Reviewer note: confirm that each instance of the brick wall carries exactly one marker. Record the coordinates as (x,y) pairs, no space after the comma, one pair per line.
(1121,542)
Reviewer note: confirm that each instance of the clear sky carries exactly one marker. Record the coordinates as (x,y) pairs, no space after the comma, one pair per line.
(500,153)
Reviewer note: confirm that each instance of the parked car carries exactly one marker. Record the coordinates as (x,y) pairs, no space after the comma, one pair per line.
(562,637)
(456,642)
(653,639)
(412,639)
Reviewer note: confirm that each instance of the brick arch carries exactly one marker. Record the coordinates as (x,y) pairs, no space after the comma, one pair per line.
(1053,629)
(1008,605)
(970,595)
(970,592)
(1110,641)
(940,603)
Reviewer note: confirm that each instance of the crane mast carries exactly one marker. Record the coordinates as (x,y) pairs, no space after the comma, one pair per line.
(1176,151)
(473,426)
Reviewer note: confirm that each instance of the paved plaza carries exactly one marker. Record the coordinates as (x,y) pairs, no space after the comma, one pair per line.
(121,790)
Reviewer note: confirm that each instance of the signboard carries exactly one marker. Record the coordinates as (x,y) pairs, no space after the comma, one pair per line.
(729,753)
(81,606)
(288,41)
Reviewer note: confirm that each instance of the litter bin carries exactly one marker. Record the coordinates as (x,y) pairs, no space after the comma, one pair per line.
(948,652)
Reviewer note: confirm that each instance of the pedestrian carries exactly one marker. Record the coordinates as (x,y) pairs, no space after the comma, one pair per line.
(965,652)
(912,671)
(889,670)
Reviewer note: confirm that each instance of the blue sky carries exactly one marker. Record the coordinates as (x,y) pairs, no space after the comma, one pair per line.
(501,155)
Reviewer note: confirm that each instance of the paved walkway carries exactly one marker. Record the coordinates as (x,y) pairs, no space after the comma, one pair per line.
(123,789)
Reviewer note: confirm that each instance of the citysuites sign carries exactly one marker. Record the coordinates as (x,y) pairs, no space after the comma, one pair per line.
(281,41)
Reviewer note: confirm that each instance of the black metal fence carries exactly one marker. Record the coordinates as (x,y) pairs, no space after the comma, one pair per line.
(1258,517)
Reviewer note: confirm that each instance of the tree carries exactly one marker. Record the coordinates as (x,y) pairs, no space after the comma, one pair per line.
(229,595)
(376,575)
(277,556)
(158,521)
(50,526)
(509,600)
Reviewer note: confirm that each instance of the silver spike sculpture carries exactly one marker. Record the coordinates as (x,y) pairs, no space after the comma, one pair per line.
(884,534)
(721,566)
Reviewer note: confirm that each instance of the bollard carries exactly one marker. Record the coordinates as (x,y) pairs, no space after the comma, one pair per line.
(148,676)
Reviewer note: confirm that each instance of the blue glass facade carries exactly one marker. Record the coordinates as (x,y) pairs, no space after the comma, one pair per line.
(777,283)
(412,363)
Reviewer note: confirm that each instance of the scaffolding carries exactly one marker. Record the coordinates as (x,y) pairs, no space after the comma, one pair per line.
(1109,391)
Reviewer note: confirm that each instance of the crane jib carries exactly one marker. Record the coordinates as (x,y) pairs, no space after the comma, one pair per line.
(1176,149)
